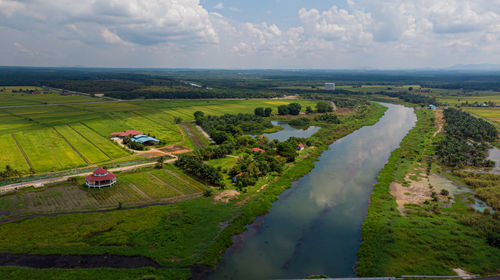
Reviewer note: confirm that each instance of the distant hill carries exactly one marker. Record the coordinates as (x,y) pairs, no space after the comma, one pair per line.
(475,67)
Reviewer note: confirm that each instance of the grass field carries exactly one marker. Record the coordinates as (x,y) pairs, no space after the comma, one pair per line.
(72,135)
(132,189)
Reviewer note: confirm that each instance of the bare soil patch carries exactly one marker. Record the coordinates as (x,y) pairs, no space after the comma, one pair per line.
(416,193)
(439,120)
(175,149)
(226,195)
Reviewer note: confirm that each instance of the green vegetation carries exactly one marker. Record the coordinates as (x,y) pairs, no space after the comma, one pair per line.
(429,239)
(93,274)
(197,168)
(464,143)
(177,236)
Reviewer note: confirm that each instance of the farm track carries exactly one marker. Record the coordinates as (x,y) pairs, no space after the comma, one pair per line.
(72,147)
(22,151)
(89,140)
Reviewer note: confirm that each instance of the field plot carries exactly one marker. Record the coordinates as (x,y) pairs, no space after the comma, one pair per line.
(88,150)
(105,145)
(131,189)
(166,131)
(47,150)
(151,185)
(11,155)
(10,123)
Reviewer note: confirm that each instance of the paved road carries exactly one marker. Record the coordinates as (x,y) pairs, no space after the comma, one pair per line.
(43,182)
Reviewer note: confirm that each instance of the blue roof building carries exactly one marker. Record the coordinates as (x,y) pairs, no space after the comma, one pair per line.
(432,107)
(141,138)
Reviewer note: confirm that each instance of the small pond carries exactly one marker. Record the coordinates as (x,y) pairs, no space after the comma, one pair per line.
(289,131)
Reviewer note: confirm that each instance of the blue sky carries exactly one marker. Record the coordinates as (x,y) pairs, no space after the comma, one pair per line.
(280,34)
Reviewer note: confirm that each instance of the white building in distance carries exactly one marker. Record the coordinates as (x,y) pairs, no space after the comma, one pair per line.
(330,86)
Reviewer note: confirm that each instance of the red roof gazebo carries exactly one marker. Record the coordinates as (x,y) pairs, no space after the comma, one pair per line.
(100,178)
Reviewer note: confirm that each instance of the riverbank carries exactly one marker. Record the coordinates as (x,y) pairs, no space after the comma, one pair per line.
(434,238)
(262,203)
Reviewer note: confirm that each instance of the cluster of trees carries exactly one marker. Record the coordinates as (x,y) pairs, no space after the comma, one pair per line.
(9,172)
(462,124)
(227,127)
(464,143)
(329,118)
(250,168)
(412,98)
(299,122)
(220,151)
(197,168)
(263,112)
(476,104)
(290,109)
(324,107)
(133,144)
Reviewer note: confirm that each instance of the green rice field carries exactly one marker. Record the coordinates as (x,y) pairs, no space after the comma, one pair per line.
(66,136)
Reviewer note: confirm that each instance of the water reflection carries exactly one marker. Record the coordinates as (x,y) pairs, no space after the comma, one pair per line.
(314,228)
(289,131)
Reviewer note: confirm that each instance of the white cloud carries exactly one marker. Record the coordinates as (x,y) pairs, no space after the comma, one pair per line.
(135,21)
(383,33)
(23,49)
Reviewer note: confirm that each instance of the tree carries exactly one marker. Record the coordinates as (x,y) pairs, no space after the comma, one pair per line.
(283,110)
(309,110)
(267,112)
(294,109)
(159,162)
(323,107)
(286,149)
(198,114)
(177,120)
(259,111)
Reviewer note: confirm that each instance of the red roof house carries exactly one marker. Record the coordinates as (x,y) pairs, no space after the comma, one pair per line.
(126,133)
(100,178)
(258,150)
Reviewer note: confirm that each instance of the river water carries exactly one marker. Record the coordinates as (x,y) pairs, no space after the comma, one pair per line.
(289,131)
(315,226)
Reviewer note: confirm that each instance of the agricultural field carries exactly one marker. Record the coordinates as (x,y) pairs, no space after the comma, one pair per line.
(132,189)
(458,100)
(11,96)
(52,138)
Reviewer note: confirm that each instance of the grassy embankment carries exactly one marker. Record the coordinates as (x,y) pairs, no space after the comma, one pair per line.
(429,239)
(179,236)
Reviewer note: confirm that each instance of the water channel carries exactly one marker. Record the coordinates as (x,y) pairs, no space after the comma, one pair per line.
(315,226)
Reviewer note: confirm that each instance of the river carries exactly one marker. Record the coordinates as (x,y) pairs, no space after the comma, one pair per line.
(315,226)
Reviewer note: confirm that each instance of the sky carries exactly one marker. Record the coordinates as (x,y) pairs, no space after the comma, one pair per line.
(257,34)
